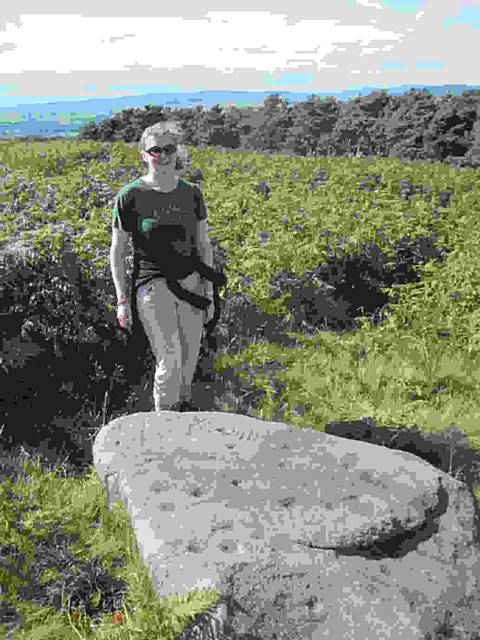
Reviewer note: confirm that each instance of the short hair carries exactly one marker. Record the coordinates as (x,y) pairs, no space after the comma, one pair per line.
(174,128)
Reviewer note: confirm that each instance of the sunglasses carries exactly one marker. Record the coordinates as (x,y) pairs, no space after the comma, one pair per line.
(169,149)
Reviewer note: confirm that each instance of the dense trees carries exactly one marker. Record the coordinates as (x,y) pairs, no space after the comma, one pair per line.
(416,125)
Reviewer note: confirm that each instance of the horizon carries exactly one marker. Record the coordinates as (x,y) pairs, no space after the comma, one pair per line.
(360,91)
(66,119)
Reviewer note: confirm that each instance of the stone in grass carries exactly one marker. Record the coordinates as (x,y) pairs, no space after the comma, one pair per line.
(304,534)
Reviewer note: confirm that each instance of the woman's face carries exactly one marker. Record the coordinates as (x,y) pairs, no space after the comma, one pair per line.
(161,151)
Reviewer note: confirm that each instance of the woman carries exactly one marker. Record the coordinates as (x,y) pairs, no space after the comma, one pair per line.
(166,218)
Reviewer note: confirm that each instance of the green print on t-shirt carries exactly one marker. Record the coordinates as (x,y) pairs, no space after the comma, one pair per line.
(147,223)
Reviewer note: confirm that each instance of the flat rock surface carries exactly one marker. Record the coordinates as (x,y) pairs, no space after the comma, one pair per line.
(174,473)
(272,513)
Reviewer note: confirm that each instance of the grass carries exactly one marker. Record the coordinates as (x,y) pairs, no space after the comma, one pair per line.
(65,590)
(68,593)
(81,575)
(45,497)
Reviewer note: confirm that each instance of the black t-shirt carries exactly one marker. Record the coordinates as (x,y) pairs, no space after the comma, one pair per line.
(162,225)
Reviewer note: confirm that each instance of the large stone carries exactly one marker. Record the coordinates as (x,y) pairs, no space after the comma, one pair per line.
(305,534)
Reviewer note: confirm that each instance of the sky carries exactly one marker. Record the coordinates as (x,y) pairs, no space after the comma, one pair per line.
(56,50)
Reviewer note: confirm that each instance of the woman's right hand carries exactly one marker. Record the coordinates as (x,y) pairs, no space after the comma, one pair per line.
(124,316)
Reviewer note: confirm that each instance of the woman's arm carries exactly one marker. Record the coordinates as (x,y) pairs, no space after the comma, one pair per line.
(117,261)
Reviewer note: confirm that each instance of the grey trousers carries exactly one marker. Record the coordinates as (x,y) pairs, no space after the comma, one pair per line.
(174,329)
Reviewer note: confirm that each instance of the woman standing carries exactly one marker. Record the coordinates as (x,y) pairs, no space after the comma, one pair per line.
(166,218)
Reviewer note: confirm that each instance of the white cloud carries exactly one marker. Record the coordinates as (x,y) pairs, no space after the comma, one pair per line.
(255,39)
(336,43)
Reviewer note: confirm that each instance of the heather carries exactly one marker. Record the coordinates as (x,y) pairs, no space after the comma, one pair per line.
(351,306)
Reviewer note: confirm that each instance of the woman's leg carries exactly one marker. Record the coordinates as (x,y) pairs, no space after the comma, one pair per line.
(158,315)
(190,324)
(174,330)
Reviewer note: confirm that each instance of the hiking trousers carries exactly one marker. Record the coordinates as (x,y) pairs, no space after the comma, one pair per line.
(174,330)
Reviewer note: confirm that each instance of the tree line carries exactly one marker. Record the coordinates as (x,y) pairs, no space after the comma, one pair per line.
(414,126)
